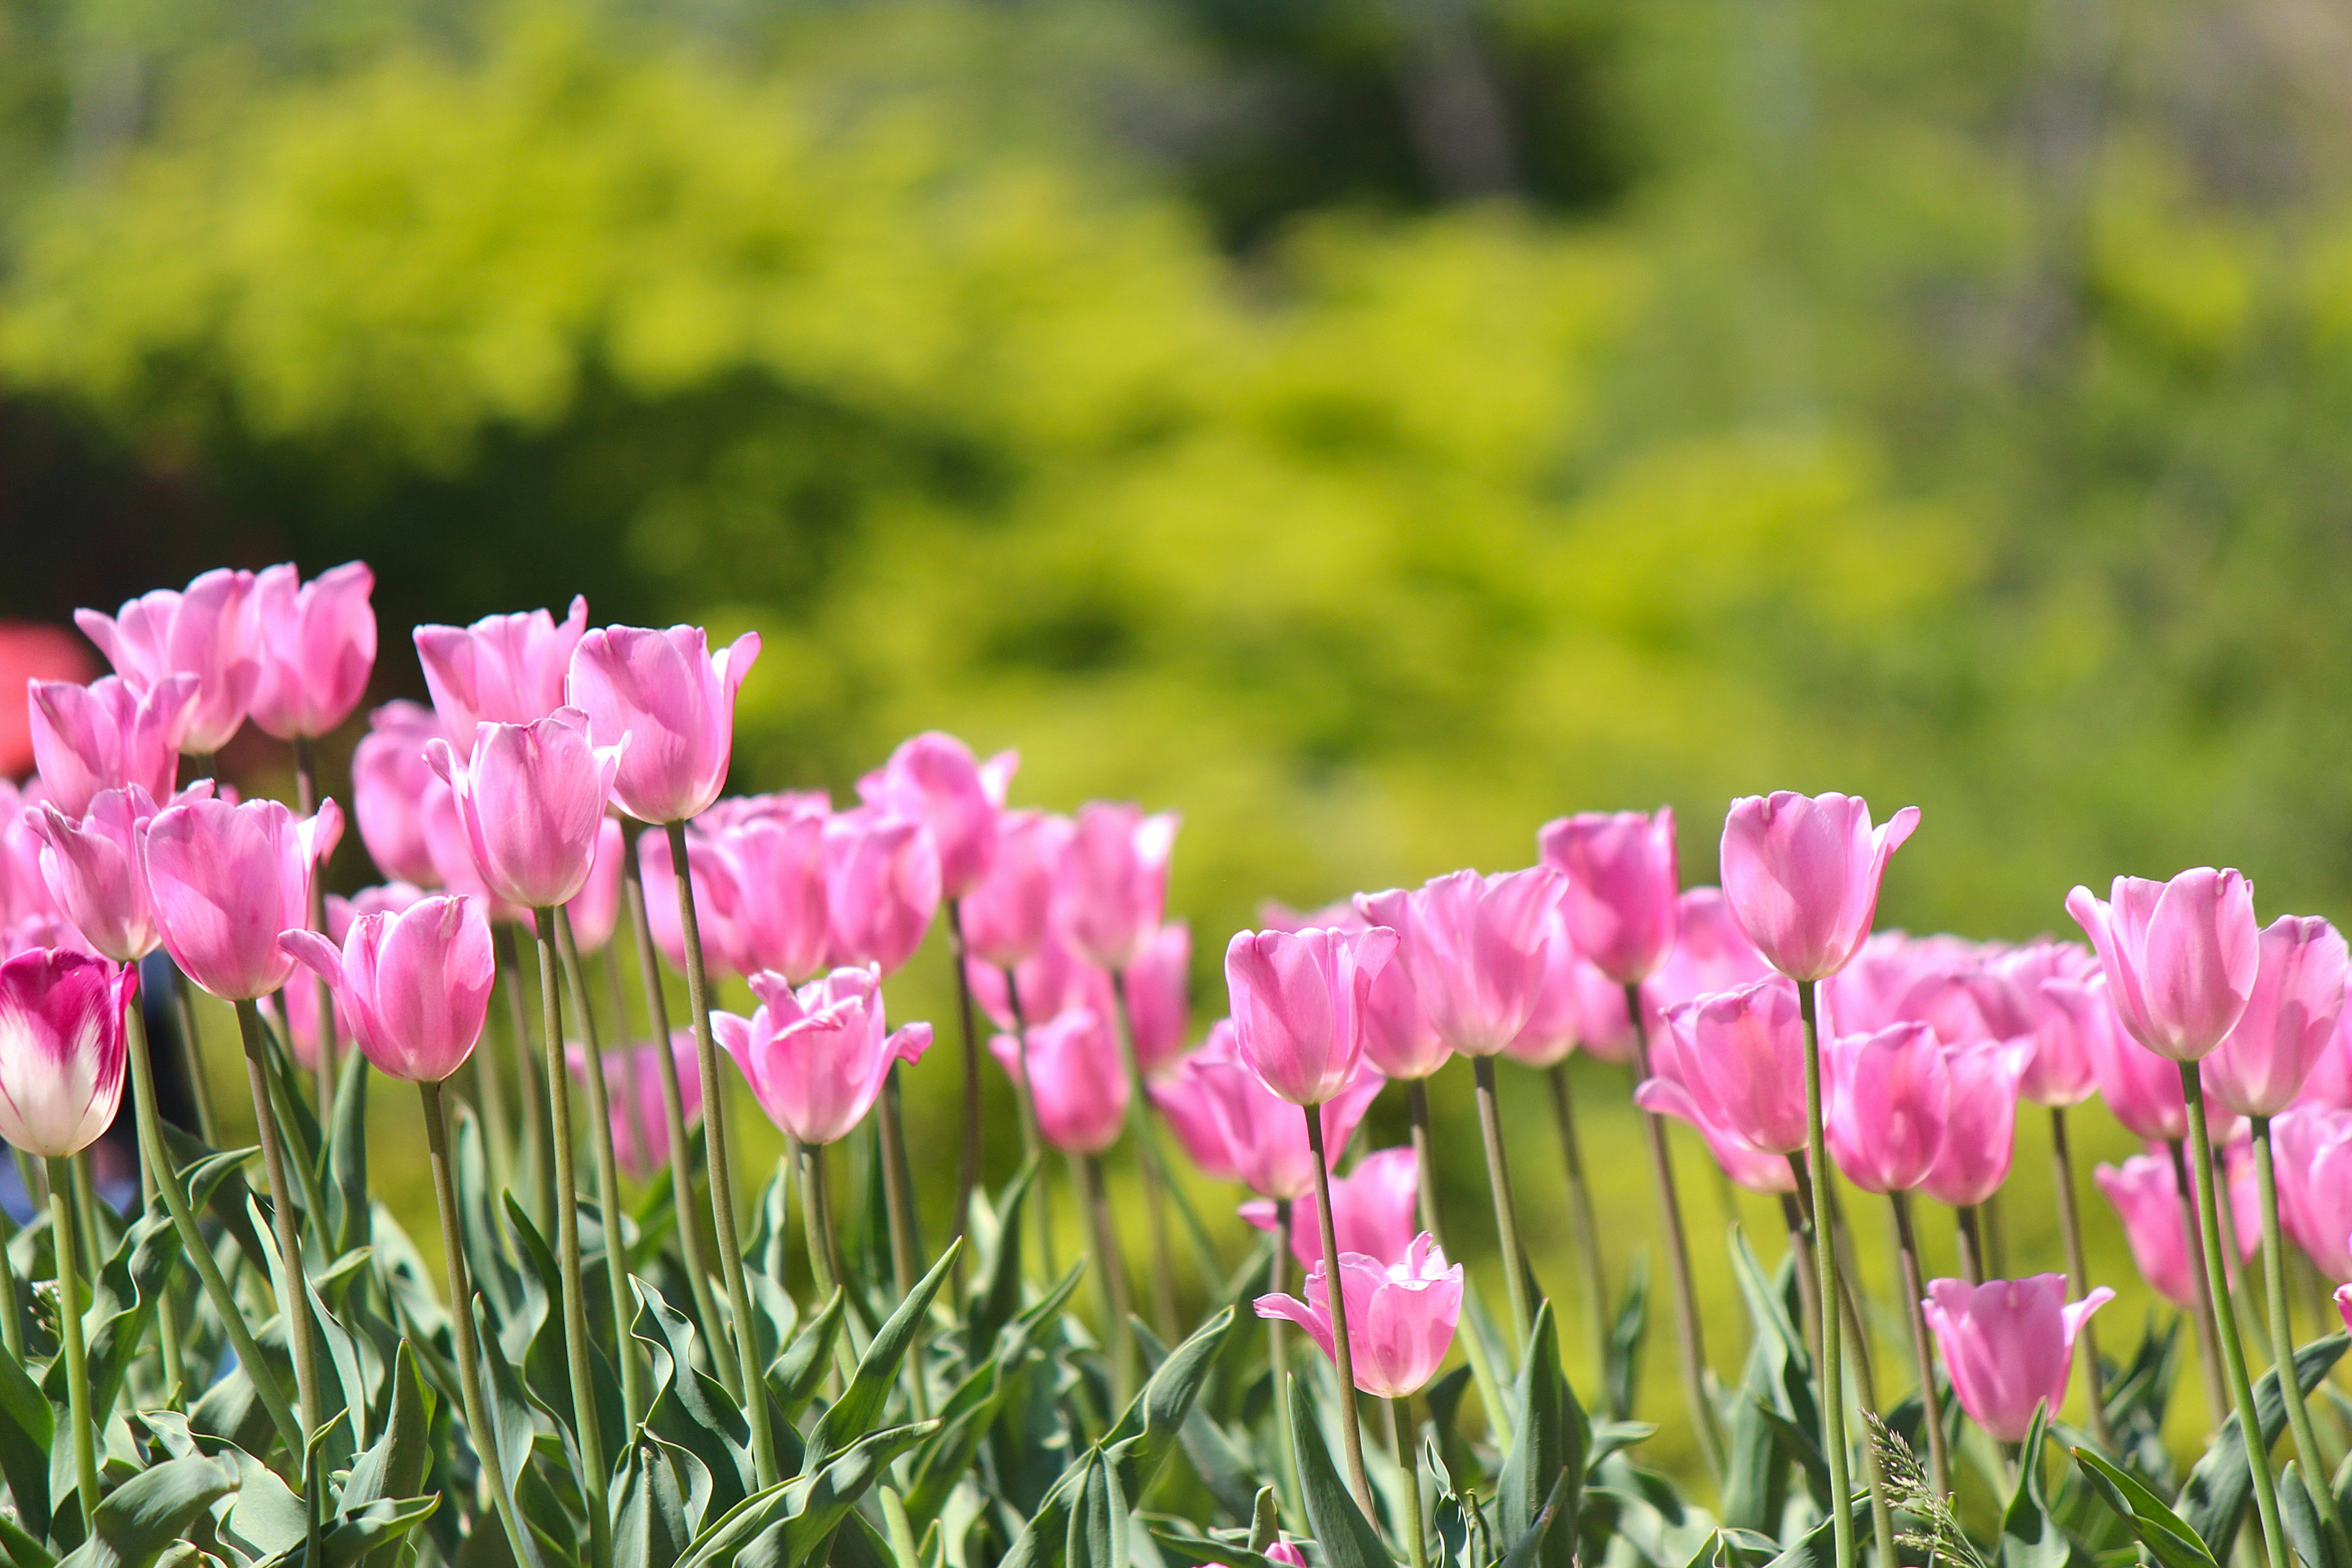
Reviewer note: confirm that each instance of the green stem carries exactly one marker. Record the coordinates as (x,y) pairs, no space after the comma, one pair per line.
(2078,1277)
(2298,1416)
(586,1425)
(461,1323)
(1586,1226)
(823,1249)
(1277,1346)
(1110,1277)
(1689,1334)
(192,1054)
(1336,1299)
(1147,1161)
(2209,1341)
(968,1157)
(1828,1371)
(1914,1291)
(301,1332)
(608,1172)
(63,1230)
(1968,1235)
(306,796)
(1507,1211)
(1401,1445)
(1032,1141)
(722,1172)
(167,1310)
(2225,1319)
(540,1192)
(898,1199)
(1481,1371)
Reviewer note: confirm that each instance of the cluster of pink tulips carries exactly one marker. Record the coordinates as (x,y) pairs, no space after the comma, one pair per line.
(1763,1014)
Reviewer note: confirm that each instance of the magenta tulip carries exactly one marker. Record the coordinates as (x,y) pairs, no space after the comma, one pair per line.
(676,702)
(2260,1066)
(1623,892)
(1886,1097)
(1298,1005)
(1005,916)
(632,1091)
(1745,1164)
(415,988)
(208,632)
(1265,1138)
(1114,880)
(390,779)
(882,886)
(1400,1317)
(2181,957)
(1980,1134)
(2008,1346)
(1475,947)
(92,871)
(502,669)
(531,802)
(1374,1211)
(772,886)
(226,879)
(62,1048)
(1742,1055)
(1159,1003)
(105,736)
(934,779)
(1802,872)
(317,647)
(1074,1077)
(817,1058)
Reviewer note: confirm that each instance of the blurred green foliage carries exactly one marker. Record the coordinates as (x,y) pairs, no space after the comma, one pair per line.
(1371,430)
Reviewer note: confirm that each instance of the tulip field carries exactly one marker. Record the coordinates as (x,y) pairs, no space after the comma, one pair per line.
(634,1347)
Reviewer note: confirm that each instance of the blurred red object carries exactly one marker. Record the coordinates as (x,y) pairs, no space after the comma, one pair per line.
(31,651)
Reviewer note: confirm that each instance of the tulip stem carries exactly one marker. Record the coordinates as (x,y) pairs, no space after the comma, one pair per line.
(1277,1342)
(1343,1355)
(1110,1277)
(673,1098)
(723,1173)
(167,1312)
(1032,1141)
(608,1172)
(2209,1343)
(1147,1161)
(968,1161)
(1795,1215)
(1968,1233)
(2225,1321)
(1507,1211)
(1409,1469)
(192,1058)
(1914,1291)
(1828,1370)
(461,1323)
(586,1425)
(2298,1416)
(906,1252)
(1689,1334)
(2078,1277)
(540,1192)
(306,796)
(200,1252)
(1424,1163)
(823,1250)
(69,1308)
(300,1330)
(1586,1226)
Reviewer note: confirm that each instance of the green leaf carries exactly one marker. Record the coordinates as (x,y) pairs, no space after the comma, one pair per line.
(860,1405)
(1098,1531)
(2168,1537)
(1775,1383)
(28,1423)
(145,1515)
(2214,1499)
(22,1549)
(376,1527)
(1207,1549)
(690,1409)
(396,1466)
(650,1526)
(508,1410)
(1817,1548)
(2305,1531)
(998,1297)
(1549,1441)
(797,1373)
(2030,1536)
(1347,1537)
(1621,1373)
(347,1175)
(1537,1542)
(782,1525)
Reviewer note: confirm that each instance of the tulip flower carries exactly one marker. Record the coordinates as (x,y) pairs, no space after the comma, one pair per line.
(1710,954)
(1889,1097)
(1746,1164)
(1623,890)
(1979,1132)
(1184,1097)
(1005,915)
(632,1086)
(934,779)
(42,931)
(2181,957)
(1741,1056)
(770,883)
(502,669)
(106,736)
(1273,914)
(24,887)
(2058,1073)
(1802,874)
(1398,1318)
(714,893)
(816,1057)
(2289,1019)
(208,632)
(92,869)
(226,879)
(2315,1163)
(2008,1346)
(531,800)
(2148,1201)
(595,910)
(1052,980)
(882,886)
(1373,1208)
(1475,947)
(1264,1136)
(675,700)
(2330,1081)
(1159,1008)
(1298,1005)
(1114,880)
(317,647)
(62,1048)
(390,779)
(1074,1077)
(414,986)
(1576,1007)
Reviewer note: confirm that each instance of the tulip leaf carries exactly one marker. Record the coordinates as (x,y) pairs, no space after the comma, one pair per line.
(2213,1499)
(27,1421)
(650,1526)
(1532,1542)
(797,1370)
(2305,1531)
(1622,1373)
(511,1423)
(396,1466)
(1098,1531)
(1347,1537)
(688,1408)
(374,1528)
(21,1549)
(347,1171)
(2167,1537)
(140,1520)
(487,1251)
(1550,1440)
(998,1297)
(2030,1535)
(781,1526)
(855,1413)
(1817,1548)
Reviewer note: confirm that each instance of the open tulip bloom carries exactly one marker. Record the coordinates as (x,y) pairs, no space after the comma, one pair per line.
(1399,1316)
(2008,1346)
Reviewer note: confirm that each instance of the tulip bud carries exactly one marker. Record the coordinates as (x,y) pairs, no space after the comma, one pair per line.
(2314,1161)
(776,915)
(92,869)
(62,1048)
(1299,1004)
(2008,1346)
(1802,872)
(1741,1058)
(2181,957)
(208,633)
(1887,1097)
(934,779)
(502,669)
(317,647)
(390,781)
(1474,948)
(1374,1211)
(531,800)
(2290,1017)
(1158,1004)
(226,879)
(676,703)
(1980,1133)
(1622,888)
(1075,1079)
(1114,887)
(1005,917)
(882,886)
(413,987)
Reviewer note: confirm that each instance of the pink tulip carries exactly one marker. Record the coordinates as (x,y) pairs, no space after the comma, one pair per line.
(595,910)
(1400,1317)
(1980,1134)
(1801,873)
(226,879)
(415,988)
(882,886)
(817,1058)
(1298,1005)
(1400,1042)
(2343,1299)
(24,887)
(1622,891)
(1710,954)
(502,669)
(207,632)
(295,1009)
(1576,1005)
(633,1088)
(676,702)
(1273,914)
(1742,1055)
(1374,1211)
(772,886)
(715,894)
(2060,1072)
(1184,1097)
(1114,885)
(934,779)
(1050,981)
(1887,1096)
(1745,1164)
(2008,1346)
(2141,1088)
(62,1048)
(2330,1082)
(2314,1153)
(105,736)
(2261,1065)
(1079,1086)
(443,827)
(531,801)
(317,645)
(2155,1221)
(1474,948)
(390,779)
(2181,957)
(1159,1006)
(1005,915)
(1265,1138)
(91,867)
